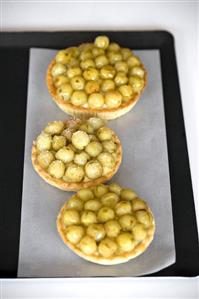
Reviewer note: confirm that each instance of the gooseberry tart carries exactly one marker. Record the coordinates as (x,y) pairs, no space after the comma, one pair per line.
(96,79)
(106,224)
(75,154)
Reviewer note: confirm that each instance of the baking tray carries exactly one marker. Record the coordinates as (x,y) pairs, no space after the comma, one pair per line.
(14,60)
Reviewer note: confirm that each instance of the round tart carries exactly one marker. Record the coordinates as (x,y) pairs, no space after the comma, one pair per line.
(96,79)
(106,224)
(75,154)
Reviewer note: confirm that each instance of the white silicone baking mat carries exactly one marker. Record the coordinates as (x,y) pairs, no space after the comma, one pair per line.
(144,168)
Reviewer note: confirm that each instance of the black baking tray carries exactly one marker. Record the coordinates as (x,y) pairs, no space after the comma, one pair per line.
(14,61)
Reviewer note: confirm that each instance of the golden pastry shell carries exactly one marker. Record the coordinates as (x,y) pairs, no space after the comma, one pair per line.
(114,260)
(81,112)
(70,186)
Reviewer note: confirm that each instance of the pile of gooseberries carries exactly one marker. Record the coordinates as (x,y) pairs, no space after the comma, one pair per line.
(97,75)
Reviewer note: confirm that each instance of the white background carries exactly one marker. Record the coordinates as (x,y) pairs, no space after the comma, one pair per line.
(181,19)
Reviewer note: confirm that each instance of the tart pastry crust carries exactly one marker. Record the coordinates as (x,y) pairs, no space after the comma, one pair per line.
(72,186)
(81,112)
(114,259)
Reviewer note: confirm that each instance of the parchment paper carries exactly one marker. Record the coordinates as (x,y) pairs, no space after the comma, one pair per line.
(144,168)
